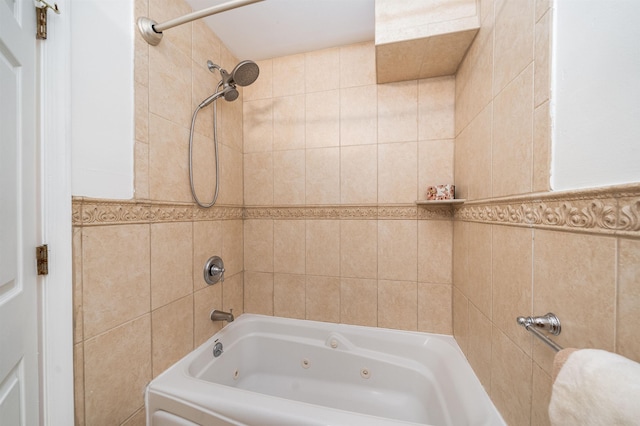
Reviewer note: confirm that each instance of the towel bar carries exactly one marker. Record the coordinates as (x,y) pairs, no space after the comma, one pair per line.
(548,322)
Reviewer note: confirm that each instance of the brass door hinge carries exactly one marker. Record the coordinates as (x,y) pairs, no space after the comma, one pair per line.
(42,256)
(41,18)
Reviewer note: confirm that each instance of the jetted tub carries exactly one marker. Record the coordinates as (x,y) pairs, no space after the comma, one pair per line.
(278,371)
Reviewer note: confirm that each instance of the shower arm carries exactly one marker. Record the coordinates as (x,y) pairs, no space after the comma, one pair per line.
(152,31)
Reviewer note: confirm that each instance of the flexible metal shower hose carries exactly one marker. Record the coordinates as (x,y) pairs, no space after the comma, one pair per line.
(215,144)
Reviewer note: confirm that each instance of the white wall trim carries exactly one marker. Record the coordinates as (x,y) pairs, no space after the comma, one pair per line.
(56,306)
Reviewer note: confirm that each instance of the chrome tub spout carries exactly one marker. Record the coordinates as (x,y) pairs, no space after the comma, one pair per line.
(217,315)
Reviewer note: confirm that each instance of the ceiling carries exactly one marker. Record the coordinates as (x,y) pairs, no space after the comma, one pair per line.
(275,28)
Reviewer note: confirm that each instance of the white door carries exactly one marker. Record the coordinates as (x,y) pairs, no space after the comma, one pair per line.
(19,394)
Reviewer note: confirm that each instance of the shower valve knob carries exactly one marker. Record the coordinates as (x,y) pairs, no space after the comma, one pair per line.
(214,270)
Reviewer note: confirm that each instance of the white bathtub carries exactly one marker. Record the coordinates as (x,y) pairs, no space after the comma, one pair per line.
(277,371)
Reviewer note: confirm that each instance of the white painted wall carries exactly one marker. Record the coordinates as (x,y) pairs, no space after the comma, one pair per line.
(596,93)
(102,109)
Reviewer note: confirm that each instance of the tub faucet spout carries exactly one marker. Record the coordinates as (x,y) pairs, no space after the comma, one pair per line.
(217,315)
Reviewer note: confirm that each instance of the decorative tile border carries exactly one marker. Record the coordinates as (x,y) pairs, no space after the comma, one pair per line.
(609,211)
(92,212)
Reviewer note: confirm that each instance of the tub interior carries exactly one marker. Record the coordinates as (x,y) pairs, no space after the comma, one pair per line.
(278,371)
(331,377)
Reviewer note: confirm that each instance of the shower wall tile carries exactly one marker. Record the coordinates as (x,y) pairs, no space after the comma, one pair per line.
(257,121)
(170,84)
(542,148)
(204,84)
(204,301)
(474,79)
(322,243)
(436,108)
(258,292)
(540,397)
(289,296)
(358,115)
(479,349)
(289,238)
(232,246)
(359,249)
(628,301)
(77,255)
(435,251)
(112,296)
(289,122)
(171,333)
(460,311)
(138,419)
(180,36)
(359,301)
(231,178)
(168,161)
(397,172)
(542,63)
(322,176)
(171,262)
(476,282)
(435,164)
(206,47)
(322,122)
(141,176)
(141,47)
(511,379)
(358,65)
(472,154)
(230,123)
(289,177)
(318,70)
(233,294)
(78,383)
(513,137)
(207,242)
(117,367)
(359,174)
(512,263)
(289,75)
(258,246)
(322,298)
(398,250)
(434,308)
(514,39)
(398,305)
(398,112)
(581,269)
(258,179)
(141,112)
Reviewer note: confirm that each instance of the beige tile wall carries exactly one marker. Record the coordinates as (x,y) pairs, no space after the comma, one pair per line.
(318,131)
(502,148)
(140,302)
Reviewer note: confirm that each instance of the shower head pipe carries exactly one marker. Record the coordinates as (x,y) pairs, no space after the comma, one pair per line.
(152,31)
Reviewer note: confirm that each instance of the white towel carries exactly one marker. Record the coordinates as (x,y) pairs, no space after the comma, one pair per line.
(595,387)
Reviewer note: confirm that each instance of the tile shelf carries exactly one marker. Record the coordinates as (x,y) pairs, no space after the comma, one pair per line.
(432,202)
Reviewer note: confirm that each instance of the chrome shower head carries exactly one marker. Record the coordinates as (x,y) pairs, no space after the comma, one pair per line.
(229,93)
(245,73)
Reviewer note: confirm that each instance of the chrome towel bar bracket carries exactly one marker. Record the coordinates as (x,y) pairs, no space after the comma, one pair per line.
(549,323)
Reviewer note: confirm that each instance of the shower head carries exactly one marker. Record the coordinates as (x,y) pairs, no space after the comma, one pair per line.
(245,73)
(230,93)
